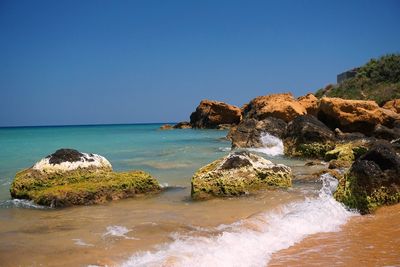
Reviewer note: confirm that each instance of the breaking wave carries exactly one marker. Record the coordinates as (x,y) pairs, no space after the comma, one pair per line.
(252,241)
(272,145)
(21,203)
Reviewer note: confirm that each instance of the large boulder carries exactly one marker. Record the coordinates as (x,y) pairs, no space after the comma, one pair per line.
(69,177)
(306,136)
(248,132)
(210,114)
(281,106)
(352,115)
(237,174)
(372,181)
(393,105)
(310,103)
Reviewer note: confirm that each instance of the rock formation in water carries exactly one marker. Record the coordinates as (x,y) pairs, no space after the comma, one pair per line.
(248,132)
(237,174)
(166,127)
(372,181)
(183,125)
(211,114)
(306,136)
(69,177)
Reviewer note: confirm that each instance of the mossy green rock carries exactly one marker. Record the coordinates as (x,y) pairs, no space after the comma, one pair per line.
(307,137)
(372,181)
(310,150)
(60,185)
(344,154)
(237,174)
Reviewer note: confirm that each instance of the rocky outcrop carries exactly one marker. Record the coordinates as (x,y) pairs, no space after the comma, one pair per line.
(69,177)
(306,136)
(383,132)
(310,103)
(352,115)
(372,181)
(183,125)
(166,127)
(249,131)
(281,106)
(393,105)
(237,174)
(210,114)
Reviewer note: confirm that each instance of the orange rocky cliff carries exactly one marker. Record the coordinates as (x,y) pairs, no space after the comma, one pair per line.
(215,114)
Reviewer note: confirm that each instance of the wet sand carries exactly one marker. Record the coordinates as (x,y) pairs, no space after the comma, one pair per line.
(372,240)
(76,236)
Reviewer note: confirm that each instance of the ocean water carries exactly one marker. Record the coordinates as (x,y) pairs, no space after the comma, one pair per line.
(165,154)
(169,229)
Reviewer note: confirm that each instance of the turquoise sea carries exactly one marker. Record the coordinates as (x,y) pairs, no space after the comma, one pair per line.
(166,154)
(169,229)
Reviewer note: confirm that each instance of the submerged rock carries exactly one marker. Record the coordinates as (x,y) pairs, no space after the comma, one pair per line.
(69,177)
(249,132)
(211,114)
(237,174)
(372,181)
(307,137)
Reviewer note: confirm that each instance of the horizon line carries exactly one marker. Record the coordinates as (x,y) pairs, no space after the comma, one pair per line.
(88,124)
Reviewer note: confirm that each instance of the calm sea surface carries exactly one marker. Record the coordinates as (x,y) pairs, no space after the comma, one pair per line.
(279,227)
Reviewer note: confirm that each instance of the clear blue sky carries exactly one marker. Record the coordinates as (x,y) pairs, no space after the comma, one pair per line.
(84,62)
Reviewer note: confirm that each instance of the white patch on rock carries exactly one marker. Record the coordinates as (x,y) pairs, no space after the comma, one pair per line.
(86,161)
(256,161)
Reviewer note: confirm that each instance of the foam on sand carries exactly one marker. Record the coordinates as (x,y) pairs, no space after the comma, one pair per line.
(80,242)
(252,241)
(117,231)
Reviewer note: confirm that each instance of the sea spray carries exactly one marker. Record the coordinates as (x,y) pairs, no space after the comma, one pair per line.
(252,241)
(272,145)
(117,231)
(20,203)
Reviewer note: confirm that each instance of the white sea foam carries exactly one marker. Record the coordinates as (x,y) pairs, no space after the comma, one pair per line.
(252,241)
(224,149)
(80,242)
(21,203)
(272,145)
(164,185)
(86,161)
(118,231)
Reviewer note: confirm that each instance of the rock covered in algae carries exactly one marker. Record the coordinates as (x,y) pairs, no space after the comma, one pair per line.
(237,174)
(307,137)
(372,181)
(69,177)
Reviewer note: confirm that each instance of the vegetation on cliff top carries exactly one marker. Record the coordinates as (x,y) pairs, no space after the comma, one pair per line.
(378,80)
